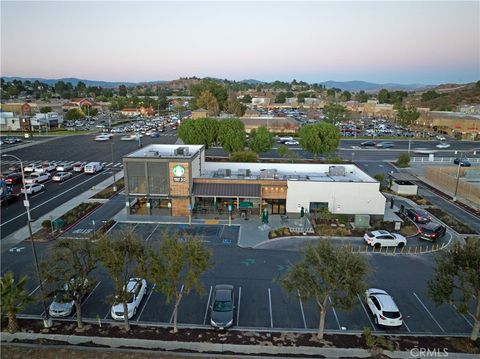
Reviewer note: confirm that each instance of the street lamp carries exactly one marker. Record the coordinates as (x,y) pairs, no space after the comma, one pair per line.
(114,183)
(47,321)
(456,185)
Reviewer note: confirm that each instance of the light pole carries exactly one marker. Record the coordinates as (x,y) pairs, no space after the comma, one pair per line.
(456,185)
(47,321)
(113,169)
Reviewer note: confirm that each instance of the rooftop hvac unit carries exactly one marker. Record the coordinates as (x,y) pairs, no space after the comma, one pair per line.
(224,172)
(243,172)
(268,173)
(336,171)
(181,151)
(152,154)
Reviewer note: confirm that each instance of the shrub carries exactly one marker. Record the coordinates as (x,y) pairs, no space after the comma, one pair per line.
(46,224)
(244,156)
(403,160)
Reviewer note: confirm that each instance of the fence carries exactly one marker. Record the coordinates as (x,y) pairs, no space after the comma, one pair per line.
(446,178)
(441,160)
(428,248)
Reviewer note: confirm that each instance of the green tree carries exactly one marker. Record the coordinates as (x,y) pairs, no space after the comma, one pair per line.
(45,109)
(346,96)
(430,95)
(202,131)
(123,255)
(231,135)
(362,96)
(456,280)
(407,116)
(280,98)
(235,107)
(178,260)
(319,138)
(208,101)
(286,152)
(261,140)
(69,266)
(334,113)
(403,160)
(74,114)
(214,87)
(247,99)
(13,299)
(383,96)
(327,272)
(244,156)
(122,90)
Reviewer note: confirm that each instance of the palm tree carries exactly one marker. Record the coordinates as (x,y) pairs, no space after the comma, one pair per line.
(13,299)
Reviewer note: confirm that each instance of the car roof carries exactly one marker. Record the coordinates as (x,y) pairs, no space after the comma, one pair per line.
(380,232)
(386,302)
(431,225)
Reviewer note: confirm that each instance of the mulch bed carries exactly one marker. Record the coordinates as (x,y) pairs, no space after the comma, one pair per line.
(403,343)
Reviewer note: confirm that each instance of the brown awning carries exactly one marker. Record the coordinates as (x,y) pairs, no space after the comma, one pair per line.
(226,190)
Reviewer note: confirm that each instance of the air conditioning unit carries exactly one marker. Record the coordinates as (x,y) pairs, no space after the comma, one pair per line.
(224,172)
(268,173)
(181,151)
(152,154)
(243,172)
(336,171)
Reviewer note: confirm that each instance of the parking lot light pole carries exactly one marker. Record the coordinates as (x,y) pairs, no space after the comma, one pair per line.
(456,185)
(47,321)
(114,182)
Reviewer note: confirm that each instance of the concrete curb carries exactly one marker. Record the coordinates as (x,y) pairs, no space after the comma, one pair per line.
(203,347)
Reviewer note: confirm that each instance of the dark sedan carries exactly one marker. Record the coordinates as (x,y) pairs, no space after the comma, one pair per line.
(368,144)
(221,310)
(12,178)
(418,215)
(462,162)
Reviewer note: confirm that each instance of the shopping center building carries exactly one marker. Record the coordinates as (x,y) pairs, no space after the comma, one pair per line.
(176,180)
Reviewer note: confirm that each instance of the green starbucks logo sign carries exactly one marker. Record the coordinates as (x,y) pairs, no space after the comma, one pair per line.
(178,170)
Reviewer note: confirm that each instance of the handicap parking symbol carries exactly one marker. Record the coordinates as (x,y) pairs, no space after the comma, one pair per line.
(227,241)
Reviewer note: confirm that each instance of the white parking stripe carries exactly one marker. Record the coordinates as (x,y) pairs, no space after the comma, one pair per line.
(206,309)
(108,313)
(423,305)
(36,288)
(109,164)
(469,323)
(334,313)
(144,305)
(84,301)
(301,308)
(366,313)
(238,307)
(146,239)
(171,318)
(117,164)
(270,302)
(406,326)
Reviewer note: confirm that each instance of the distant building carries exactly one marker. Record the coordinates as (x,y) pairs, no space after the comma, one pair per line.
(273,124)
(375,109)
(79,103)
(50,119)
(9,122)
(130,112)
(199,113)
(20,108)
(261,101)
(470,109)
(251,113)
(463,125)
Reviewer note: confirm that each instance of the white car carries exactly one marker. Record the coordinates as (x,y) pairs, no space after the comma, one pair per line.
(102,138)
(292,142)
(79,166)
(424,151)
(285,139)
(128,138)
(61,305)
(33,188)
(46,167)
(383,238)
(443,145)
(441,138)
(64,166)
(383,308)
(29,167)
(61,176)
(36,177)
(137,287)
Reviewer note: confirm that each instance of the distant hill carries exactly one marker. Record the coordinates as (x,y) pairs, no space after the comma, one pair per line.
(252,82)
(74,81)
(372,87)
(449,97)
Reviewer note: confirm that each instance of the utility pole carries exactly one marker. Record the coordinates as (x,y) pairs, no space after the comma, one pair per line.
(456,185)
(113,169)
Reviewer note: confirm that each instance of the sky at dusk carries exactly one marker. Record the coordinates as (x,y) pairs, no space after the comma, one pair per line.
(427,42)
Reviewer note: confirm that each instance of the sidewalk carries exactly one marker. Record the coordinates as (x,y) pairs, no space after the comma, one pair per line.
(23,234)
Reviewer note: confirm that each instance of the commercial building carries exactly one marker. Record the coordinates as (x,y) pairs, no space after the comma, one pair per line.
(176,180)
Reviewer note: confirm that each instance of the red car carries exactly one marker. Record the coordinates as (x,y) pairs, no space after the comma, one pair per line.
(12,178)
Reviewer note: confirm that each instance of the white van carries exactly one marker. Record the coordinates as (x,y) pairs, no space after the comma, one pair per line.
(93,167)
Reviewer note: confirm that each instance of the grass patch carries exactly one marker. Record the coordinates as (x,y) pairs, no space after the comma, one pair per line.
(108,192)
(451,221)
(419,200)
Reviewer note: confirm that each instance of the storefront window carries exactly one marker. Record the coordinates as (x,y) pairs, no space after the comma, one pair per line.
(137,181)
(158,178)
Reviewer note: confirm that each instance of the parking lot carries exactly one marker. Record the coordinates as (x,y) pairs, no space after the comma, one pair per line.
(260,302)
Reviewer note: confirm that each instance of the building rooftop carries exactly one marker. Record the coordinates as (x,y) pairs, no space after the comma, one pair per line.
(166,151)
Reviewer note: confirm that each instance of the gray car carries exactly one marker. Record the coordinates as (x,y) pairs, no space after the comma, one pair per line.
(221,310)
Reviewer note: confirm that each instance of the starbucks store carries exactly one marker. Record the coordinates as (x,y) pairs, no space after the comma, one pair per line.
(175,180)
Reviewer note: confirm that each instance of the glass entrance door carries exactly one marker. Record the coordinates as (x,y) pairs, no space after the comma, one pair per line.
(276,206)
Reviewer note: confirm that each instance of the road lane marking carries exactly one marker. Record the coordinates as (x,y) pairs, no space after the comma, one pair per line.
(270,302)
(144,306)
(180,296)
(146,239)
(334,313)
(206,309)
(238,307)
(49,200)
(423,305)
(366,313)
(301,308)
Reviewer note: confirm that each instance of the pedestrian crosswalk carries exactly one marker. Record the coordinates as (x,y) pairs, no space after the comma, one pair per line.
(27,163)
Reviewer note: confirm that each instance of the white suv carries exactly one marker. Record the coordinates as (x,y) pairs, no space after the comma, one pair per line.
(382,238)
(384,310)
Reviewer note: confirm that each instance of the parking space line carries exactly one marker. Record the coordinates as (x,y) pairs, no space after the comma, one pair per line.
(334,313)
(88,296)
(301,308)
(146,239)
(106,315)
(366,313)
(238,307)
(270,302)
(406,326)
(145,304)
(36,288)
(423,305)
(173,312)
(464,317)
(206,309)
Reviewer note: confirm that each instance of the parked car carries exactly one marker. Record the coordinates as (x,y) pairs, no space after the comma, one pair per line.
(93,167)
(45,167)
(33,188)
(383,238)
(64,166)
(30,167)
(62,305)
(61,176)
(462,162)
(154,135)
(15,168)
(137,287)
(385,145)
(12,178)
(440,138)
(368,144)
(221,310)
(36,177)
(292,142)
(418,215)
(431,231)
(383,308)
(79,166)
(285,139)
(443,145)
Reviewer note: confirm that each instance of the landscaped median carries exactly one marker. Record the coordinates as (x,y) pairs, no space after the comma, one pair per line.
(334,345)
(108,192)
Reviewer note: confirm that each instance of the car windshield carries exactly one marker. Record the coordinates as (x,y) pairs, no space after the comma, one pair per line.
(61,297)
(428,231)
(391,315)
(222,306)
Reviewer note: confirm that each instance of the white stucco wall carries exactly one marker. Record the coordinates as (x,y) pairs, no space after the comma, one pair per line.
(342,197)
(405,189)
(196,167)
